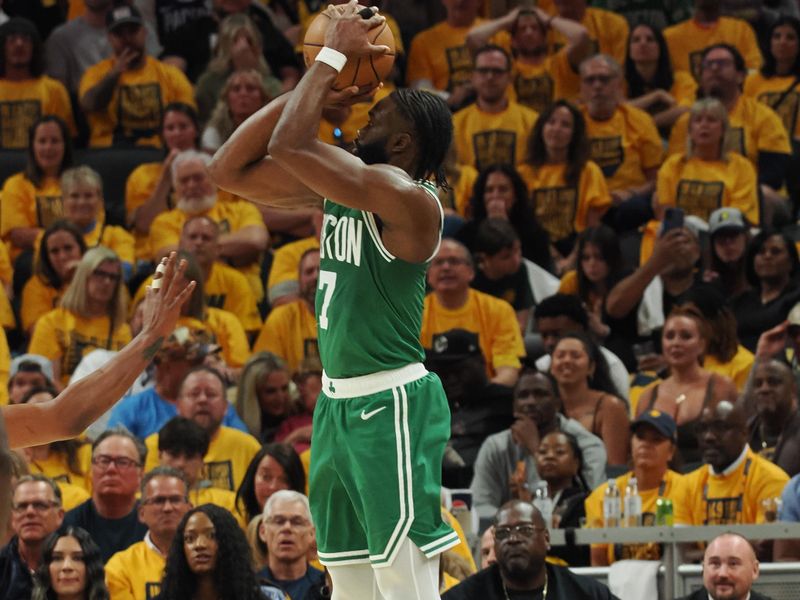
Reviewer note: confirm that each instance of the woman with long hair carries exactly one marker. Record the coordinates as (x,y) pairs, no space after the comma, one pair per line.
(652,84)
(243,94)
(59,254)
(92,315)
(588,395)
(82,191)
(772,268)
(567,189)
(706,176)
(32,198)
(778,83)
(239,46)
(148,190)
(688,388)
(276,467)
(263,398)
(71,568)
(209,559)
(600,266)
(499,192)
(729,236)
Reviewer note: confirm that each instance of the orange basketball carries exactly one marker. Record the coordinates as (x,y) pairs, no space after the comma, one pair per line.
(360,71)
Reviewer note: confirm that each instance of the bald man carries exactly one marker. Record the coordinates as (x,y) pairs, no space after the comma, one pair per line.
(732,484)
(729,570)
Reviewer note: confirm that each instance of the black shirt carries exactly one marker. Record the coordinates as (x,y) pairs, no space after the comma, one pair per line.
(702,594)
(783,451)
(111,535)
(562,584)
(754,317)
(15,577)
(514,289)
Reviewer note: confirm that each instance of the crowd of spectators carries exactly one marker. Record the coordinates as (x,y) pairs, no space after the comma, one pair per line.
(617,294)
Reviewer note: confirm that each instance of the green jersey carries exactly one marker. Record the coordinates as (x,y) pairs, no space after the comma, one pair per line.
(369,303)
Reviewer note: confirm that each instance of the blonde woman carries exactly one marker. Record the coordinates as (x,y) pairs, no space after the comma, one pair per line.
(706,176)
(239,47)
(92,315)
(263,399)
(243,94)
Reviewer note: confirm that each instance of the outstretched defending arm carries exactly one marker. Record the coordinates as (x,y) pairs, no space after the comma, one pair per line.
(81,403)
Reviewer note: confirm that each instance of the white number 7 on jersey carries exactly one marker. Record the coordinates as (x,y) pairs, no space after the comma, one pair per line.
(327,283)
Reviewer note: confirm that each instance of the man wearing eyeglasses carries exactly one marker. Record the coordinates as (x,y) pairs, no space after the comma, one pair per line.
(521,542)
(36,512)
(135,573)
(495,129)
(110,515)
(287,530)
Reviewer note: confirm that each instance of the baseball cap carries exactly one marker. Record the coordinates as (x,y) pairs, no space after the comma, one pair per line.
(454,345)
(44,364)
(191,344)
(726,218)
(660,421)
(121,15)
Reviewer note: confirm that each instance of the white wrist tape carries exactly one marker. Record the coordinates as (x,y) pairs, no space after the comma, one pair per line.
(332,58)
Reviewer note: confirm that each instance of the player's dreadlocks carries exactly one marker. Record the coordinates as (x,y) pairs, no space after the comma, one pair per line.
(433,126)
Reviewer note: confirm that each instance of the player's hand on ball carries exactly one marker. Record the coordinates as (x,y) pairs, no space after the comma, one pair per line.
(351,95)
(348,30)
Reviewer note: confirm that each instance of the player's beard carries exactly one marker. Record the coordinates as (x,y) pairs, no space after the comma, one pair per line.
(372,153)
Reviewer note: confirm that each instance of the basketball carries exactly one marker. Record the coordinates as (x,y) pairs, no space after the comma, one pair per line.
(360,70)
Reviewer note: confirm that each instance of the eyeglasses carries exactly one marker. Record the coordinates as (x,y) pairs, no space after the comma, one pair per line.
(123,463)
(110,277)
(490,71)
(161,501)
(296,522)
(604,79)
(719,63)
(524,530)
(37,505)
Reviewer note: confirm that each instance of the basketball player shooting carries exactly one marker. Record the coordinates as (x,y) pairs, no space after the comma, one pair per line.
(382,421)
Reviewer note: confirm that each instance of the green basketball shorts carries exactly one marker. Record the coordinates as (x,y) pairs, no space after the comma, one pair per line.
(376,463)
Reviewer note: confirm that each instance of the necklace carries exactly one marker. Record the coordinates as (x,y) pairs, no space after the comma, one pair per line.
(544,591)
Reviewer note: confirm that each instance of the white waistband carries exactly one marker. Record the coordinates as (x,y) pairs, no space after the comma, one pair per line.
(373,383)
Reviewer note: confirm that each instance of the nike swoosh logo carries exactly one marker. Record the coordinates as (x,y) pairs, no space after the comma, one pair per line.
(366,416)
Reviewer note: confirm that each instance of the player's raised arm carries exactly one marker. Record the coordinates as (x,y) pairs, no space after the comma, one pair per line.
(82,402)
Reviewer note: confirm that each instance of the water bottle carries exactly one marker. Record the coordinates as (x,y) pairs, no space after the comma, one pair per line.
(612,509)
(542,501)
(633,504)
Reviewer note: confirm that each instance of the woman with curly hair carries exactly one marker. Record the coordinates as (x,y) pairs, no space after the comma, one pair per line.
(210,559)
(71,568)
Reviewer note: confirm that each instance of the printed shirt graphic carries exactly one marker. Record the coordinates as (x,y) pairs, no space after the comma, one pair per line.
(769,90)
(440,55)
(483,138)
(369,303)
(22,102)
(26,205)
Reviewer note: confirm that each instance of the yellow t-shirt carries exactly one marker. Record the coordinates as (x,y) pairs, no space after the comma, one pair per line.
(137,104)
(732,498)
(139,187)
(66,337)
(737,369)
(700,187)
(537,86)
(491,318)
(7,319)
(440,55)
(484,139)
(25,205)
(769,90)
(23,102)
(113,237)
(459,196)
(55,467)
(285,265)
(226,461)
(607,31)
(672,487)
(226,289)
(290,331)
(38,299)
(135,573)
(754,128)
(624,146)
(559,208)
(72,495)
(569,283)
(228,332)
(684,88)
(223,498)
(462,549)
(687,40)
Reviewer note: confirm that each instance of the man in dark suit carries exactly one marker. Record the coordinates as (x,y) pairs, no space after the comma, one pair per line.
(729,569)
